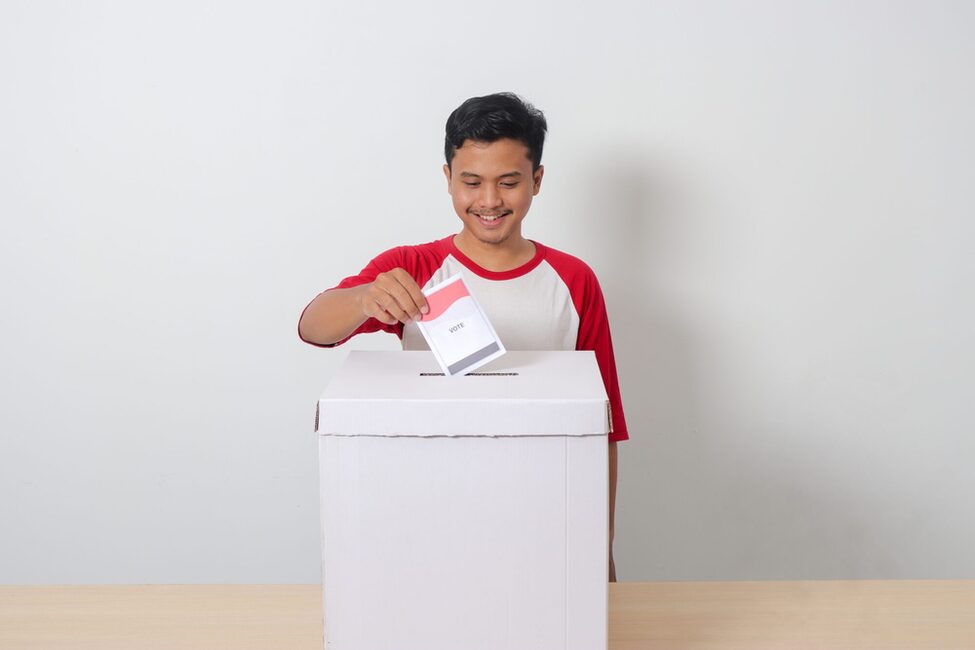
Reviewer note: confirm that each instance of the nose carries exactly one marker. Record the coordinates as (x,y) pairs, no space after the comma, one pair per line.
(489,196)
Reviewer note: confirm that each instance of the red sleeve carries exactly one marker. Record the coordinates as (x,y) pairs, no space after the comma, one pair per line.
(594,335)
(587,297)
(386,261)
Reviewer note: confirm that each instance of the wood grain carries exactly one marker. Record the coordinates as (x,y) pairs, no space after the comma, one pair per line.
(161,617)
(827,615)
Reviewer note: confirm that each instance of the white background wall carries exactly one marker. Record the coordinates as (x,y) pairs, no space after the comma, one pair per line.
(776,197)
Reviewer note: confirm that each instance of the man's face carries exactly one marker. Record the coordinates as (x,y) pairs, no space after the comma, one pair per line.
(492,185)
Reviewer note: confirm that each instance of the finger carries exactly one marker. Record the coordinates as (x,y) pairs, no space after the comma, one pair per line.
(389,308)
(398,313)
(416,295)
(403,300)
(413,289)
(375,310)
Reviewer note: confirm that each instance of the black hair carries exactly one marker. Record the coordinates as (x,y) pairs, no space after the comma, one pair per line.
(493,117)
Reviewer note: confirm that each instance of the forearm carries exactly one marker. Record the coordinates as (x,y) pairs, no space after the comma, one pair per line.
(333,315)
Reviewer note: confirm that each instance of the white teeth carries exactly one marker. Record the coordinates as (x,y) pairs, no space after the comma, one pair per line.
(489,218)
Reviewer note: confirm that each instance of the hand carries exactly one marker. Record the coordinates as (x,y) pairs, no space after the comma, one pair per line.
(393,296)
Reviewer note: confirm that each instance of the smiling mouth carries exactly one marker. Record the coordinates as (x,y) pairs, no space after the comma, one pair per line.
(490,218)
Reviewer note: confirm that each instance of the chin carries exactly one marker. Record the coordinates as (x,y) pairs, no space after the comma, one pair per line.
(490,238)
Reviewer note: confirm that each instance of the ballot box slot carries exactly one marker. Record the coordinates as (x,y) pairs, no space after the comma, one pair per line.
(473,374)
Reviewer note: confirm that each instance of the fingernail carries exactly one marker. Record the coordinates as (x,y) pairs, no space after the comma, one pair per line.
(424,309)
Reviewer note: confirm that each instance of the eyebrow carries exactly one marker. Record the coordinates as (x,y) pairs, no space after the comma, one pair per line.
(473,175)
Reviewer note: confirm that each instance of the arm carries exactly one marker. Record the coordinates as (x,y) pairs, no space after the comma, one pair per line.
(612,507)
(335,314)
(332,316)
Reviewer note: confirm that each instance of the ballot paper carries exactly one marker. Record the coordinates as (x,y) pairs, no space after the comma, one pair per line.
(457,329)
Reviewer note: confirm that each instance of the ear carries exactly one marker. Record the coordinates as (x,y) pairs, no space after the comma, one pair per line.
(537,179)
(446,173)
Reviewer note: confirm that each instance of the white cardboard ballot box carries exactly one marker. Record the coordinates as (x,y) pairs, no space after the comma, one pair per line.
(465,513)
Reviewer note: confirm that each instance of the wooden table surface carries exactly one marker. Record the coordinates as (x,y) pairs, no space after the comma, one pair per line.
(828,615)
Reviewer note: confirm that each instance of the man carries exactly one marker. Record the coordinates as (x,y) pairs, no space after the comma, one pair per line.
(537,298)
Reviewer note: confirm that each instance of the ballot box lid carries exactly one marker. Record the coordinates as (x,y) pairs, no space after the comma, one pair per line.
(392,393)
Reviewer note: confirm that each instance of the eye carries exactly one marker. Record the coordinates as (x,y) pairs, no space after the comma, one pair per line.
(508,184)
(471,184)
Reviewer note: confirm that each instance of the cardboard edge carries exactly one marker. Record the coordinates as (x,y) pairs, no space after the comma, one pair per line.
(326,434)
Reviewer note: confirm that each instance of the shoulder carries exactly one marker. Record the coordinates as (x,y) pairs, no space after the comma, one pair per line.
(421,261)
(413,257)
(579,279)
(570,268)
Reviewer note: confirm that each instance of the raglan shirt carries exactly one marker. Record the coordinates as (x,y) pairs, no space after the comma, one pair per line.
(552,302)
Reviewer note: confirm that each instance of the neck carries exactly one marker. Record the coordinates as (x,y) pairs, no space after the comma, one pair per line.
(504,256)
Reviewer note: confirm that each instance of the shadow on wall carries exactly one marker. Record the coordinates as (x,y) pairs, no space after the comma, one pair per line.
(697,500)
